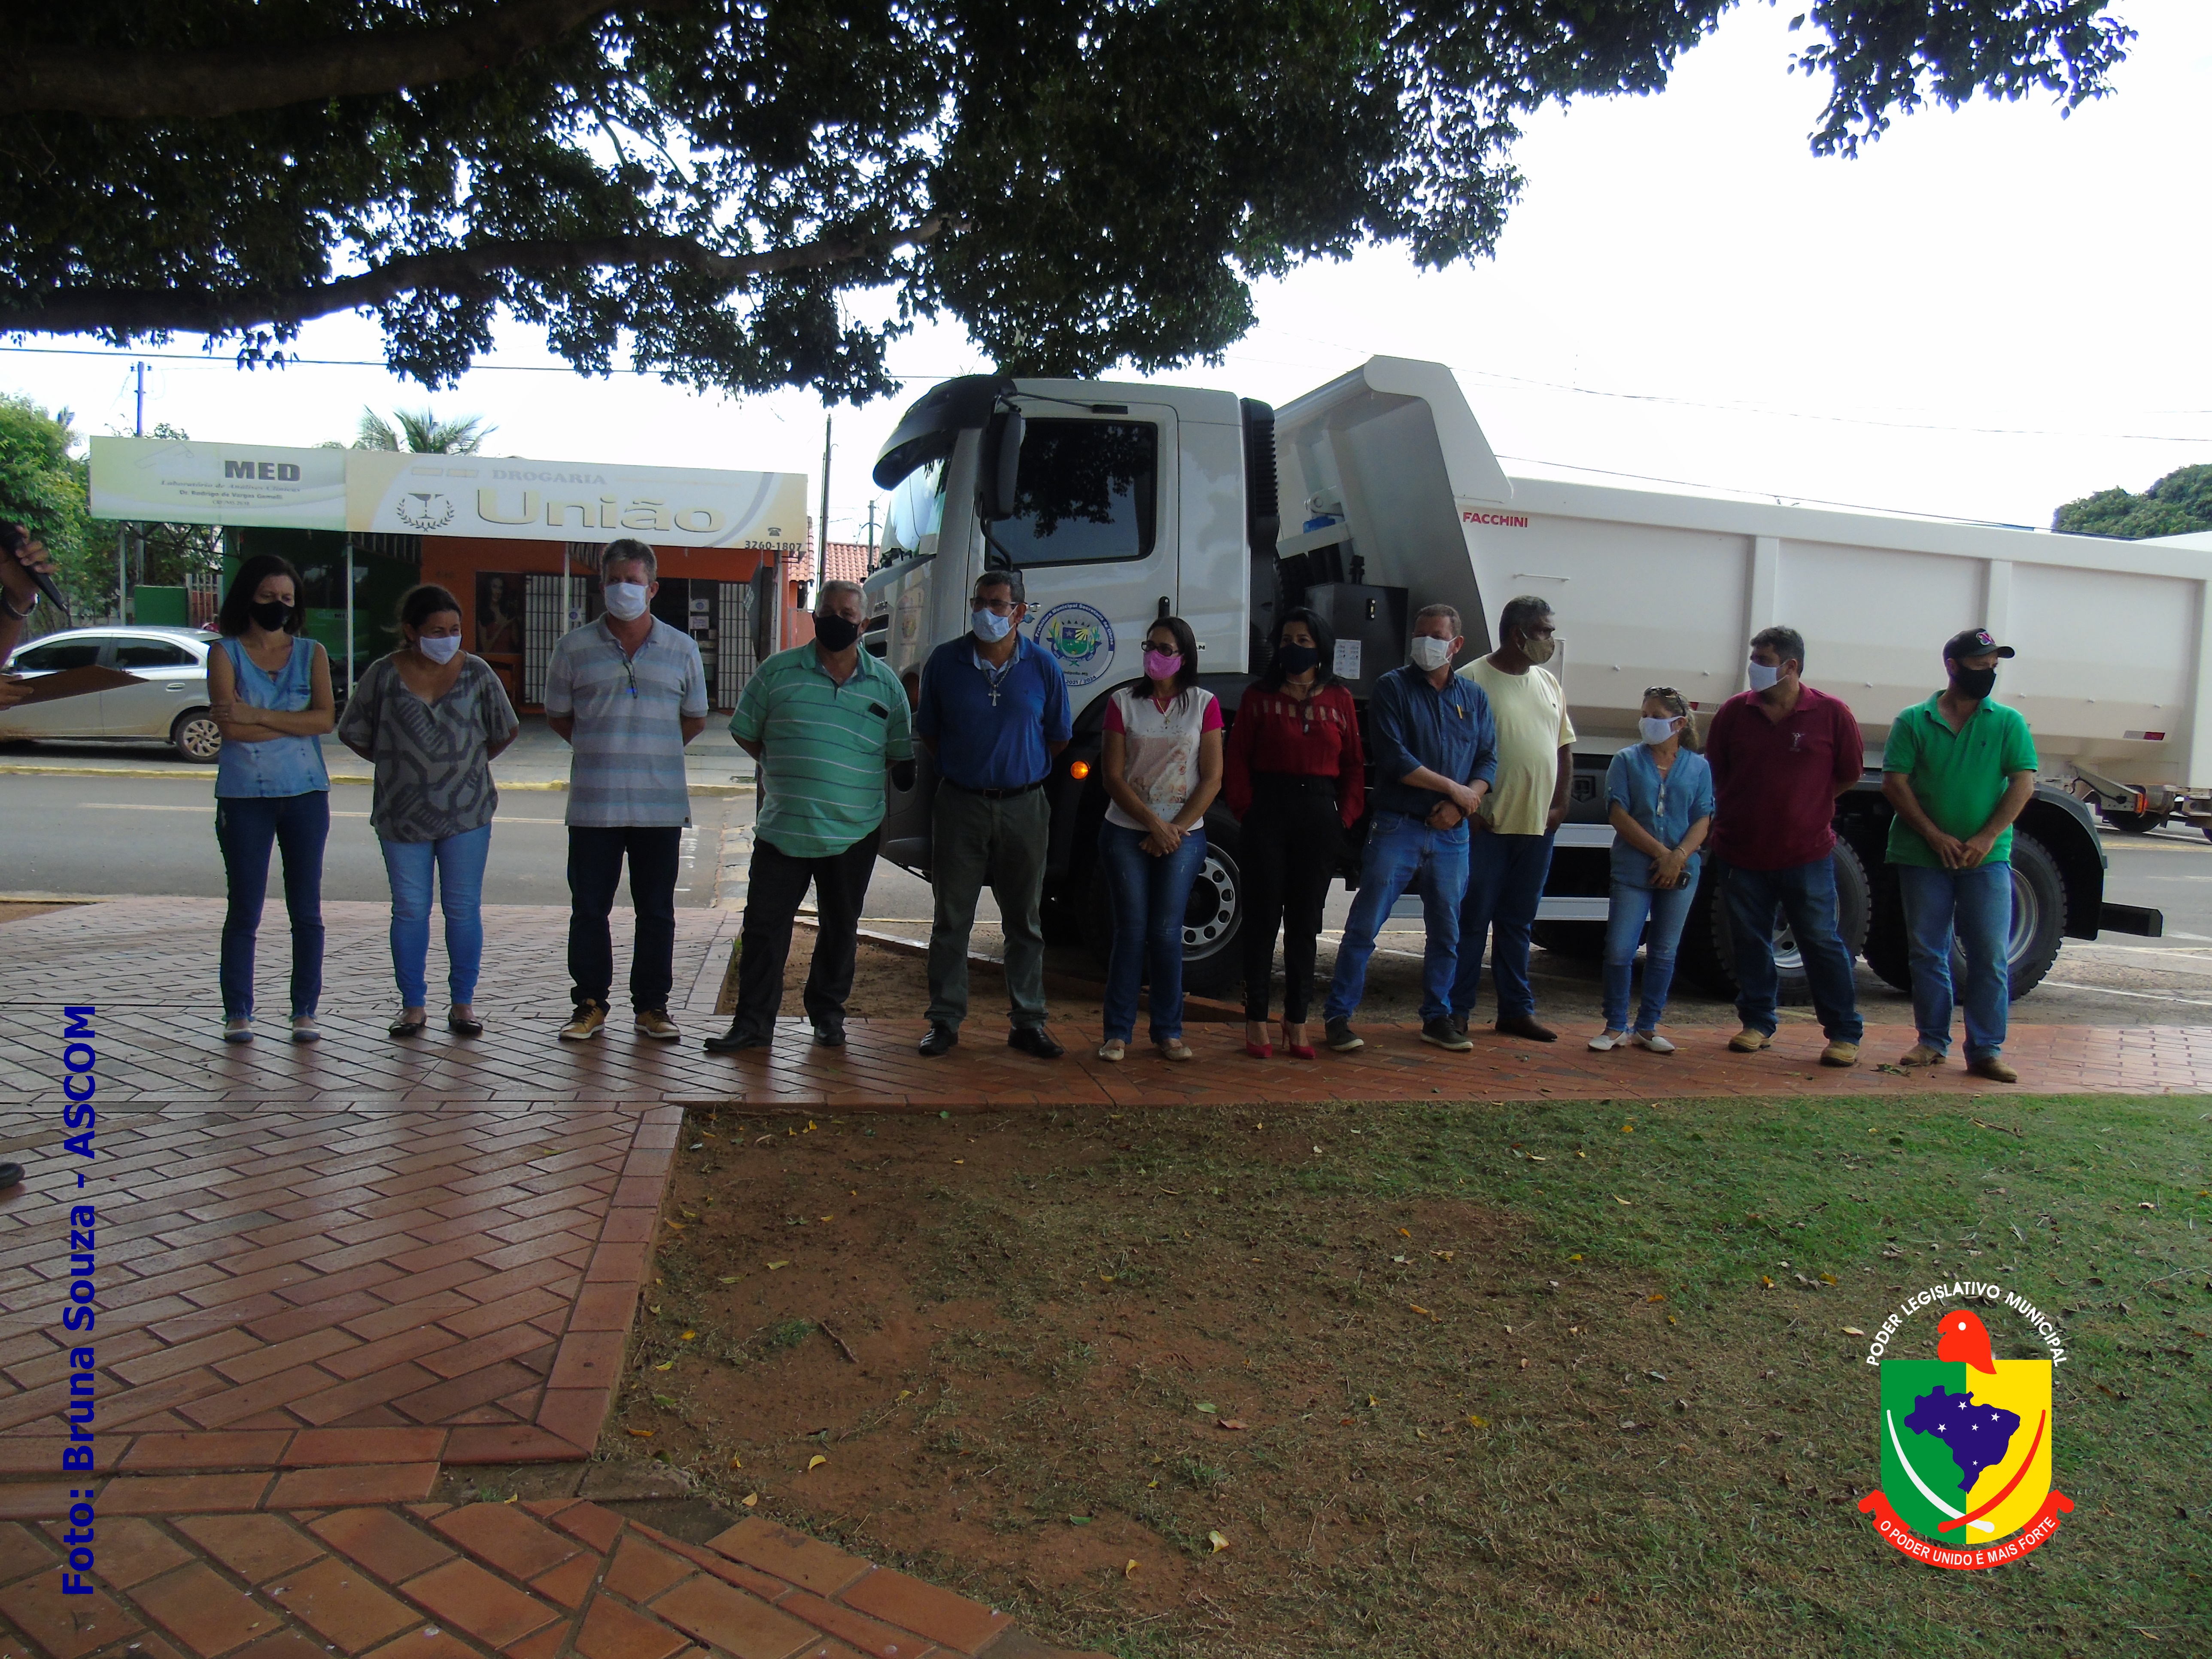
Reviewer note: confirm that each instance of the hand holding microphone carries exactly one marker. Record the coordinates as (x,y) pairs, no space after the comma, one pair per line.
(26,573)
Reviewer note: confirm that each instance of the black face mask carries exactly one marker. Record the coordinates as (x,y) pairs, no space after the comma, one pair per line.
(1973,682)
(270,614)
(1295,658)
(834,633)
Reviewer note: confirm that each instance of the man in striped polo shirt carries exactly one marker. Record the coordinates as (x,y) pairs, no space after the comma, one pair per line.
(824,720)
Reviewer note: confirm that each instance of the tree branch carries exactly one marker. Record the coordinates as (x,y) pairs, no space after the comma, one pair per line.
(231,80)
(462,271)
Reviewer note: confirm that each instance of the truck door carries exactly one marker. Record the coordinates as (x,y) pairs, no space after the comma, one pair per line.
(1094,534)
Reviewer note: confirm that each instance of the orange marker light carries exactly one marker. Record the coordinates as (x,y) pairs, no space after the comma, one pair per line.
(1080,771)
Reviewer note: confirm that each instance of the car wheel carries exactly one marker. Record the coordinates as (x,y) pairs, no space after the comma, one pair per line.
(195,737)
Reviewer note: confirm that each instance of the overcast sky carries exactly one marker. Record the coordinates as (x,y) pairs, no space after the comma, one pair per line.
(1990,312)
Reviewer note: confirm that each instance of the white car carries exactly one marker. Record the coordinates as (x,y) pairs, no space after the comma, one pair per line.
(170,708)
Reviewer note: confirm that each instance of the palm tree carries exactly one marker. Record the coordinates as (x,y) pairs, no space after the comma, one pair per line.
(421,433)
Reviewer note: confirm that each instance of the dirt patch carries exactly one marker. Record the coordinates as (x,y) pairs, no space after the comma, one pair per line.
(23,909)
(1051,1361)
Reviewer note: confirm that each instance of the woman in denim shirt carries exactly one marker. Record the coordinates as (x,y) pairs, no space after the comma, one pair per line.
(270,692)
(1661,791)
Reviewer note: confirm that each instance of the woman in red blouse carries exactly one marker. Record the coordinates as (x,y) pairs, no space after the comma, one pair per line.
(1292,774)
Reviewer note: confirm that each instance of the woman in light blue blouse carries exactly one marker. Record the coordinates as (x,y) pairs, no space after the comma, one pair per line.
(1662,794)
(271,693)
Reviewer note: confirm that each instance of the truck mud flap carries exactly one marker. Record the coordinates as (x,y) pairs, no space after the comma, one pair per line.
(2132,919)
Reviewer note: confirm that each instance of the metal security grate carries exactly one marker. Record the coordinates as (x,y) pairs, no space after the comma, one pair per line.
(734,659)
(545,619)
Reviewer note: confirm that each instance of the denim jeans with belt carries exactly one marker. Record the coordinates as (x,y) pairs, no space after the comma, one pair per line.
(1805,895)
(458,863)
(1150,893)
(245,827)
(1979,902)
(1404,852)
(1667,907)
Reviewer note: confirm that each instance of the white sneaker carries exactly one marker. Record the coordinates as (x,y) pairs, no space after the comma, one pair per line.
(1651,1040)
(1606,1041)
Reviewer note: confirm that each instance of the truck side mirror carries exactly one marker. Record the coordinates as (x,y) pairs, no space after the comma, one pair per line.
(1000,469)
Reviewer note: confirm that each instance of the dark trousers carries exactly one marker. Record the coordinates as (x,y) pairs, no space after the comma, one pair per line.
(245,827)
(595,868)
(1504,884)
(1288,848)
(977,840)
(774,886)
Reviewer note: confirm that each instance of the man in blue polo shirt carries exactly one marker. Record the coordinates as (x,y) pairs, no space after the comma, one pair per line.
(993,713)
(1435,757)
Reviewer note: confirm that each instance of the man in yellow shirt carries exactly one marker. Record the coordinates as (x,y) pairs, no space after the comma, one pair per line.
(1510,850)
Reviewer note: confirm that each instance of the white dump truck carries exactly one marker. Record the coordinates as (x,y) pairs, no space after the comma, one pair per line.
(1377,494)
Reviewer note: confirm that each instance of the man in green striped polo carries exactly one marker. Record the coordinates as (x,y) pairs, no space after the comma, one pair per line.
(824,720)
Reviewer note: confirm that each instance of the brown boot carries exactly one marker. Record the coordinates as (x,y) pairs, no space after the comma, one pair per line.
(1993,1067)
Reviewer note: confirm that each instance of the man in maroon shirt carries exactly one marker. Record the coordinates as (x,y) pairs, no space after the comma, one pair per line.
(1781,754)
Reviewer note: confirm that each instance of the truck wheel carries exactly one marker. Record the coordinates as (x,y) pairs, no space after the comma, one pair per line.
(2038,922)
(1582,940)
(1709,952)
(1212,923)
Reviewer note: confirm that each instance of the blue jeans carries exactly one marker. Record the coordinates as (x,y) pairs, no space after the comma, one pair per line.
(1404,852)
(1668,908)
(460,863)
(1980,901)
(1505,884)
(1150,896)
(1805,895)
(245,826)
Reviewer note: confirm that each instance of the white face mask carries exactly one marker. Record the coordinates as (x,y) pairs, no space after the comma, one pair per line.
(1429,653)
(1764,674)
(1657,731)
(990,626)
(625,600)
(439,648)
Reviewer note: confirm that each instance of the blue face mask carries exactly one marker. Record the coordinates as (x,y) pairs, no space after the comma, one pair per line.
(991,627)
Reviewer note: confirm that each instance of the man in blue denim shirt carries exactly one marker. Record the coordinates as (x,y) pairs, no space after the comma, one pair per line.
(1436,757)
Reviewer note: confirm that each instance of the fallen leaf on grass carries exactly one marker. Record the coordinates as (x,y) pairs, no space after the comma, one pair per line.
(1853,1330)
(1206,1407)
(750,1500)
(1576,1257)
(1618,1199)
(1442,1255)
(1424,1312)
(829,1217)
(1129,1569)
(730,1278)
(959,1160)
(1767,1282)
(665,1365)
(642,1434)
(1656,1296)
(1218,1542)
(1079,1520)
(1234,1422)
(688,1336)
(816,1461)
(773,1265)
(1474,1422)
(736,1463)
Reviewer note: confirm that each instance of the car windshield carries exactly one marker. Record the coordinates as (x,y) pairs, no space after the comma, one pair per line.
(917,509)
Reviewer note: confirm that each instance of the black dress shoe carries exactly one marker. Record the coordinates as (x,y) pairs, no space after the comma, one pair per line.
(734,1040)
(829,1037)
(939,1041)
(1033,1040)
(11,1175)
(1525,1025)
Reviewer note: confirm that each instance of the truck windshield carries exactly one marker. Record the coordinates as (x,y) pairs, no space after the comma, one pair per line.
(917,509)
(1084,494)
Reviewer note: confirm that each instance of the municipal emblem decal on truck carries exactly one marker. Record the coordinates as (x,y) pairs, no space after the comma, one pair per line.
(1081,641)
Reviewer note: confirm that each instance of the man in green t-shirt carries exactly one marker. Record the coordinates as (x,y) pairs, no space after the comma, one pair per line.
(1958,768)
(824,720)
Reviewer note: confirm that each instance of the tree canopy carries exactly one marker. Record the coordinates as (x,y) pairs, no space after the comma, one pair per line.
(422,432)
(44,487)
(2179,504)
(712,187)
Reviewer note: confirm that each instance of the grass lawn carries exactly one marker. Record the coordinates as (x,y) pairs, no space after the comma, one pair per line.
(1442,1378)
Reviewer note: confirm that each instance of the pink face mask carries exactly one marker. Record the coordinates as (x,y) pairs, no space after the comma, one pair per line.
(1163,665)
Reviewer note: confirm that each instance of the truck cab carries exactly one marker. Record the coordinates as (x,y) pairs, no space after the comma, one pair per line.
(1367,499)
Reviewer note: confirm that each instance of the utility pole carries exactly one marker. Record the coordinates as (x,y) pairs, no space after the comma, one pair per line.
(872,535)
(141,371)
(122,534)
(822,537)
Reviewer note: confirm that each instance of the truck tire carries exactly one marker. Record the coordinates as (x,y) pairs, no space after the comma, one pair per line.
(1708,953)
(1213,921)
(2135,823)
(2038,923)
(1584,941)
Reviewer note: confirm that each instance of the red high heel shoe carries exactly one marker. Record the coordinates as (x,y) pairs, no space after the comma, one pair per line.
(1298,1050)
(1260,1050)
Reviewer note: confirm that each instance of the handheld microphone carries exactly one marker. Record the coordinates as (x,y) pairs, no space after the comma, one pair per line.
(14,539)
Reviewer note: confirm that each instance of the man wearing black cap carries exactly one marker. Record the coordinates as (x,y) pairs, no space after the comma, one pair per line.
(1958,768)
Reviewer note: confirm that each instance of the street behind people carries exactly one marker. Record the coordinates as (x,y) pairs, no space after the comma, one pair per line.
(269,691)
(992,713)
(1294,775)
(1781,753)
(1162,768)
(1510,853)
(824,720)
(627,693)
(1958,768)
(1660,792)
(1436,759)
(430,718)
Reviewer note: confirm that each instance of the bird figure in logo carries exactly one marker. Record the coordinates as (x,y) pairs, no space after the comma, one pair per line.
(1963,1338)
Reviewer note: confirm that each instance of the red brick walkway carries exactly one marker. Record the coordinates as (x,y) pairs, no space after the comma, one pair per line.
(326,1272)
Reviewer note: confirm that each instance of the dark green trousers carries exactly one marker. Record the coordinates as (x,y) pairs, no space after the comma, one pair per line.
(977,841)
